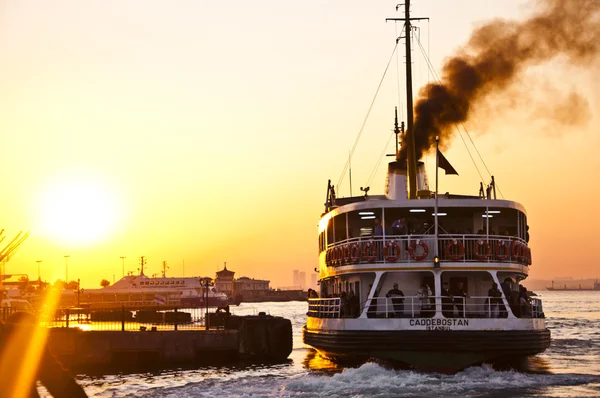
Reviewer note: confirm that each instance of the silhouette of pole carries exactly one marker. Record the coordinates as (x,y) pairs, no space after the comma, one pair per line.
(123,265)
(67,269)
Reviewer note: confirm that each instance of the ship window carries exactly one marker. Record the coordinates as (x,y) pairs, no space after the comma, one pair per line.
(362,222)
(339,223)
(330,231)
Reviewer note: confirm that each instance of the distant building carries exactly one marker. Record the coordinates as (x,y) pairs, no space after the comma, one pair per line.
(250,288)
(298,278)
(313,280)
(224,281)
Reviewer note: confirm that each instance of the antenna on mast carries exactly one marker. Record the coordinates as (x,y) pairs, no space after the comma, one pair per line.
(142,263)
(165,267)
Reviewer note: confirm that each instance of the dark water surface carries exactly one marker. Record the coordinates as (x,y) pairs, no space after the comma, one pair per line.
(569,368)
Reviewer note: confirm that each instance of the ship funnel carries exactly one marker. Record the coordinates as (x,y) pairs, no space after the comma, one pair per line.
(395,184)
(423,191)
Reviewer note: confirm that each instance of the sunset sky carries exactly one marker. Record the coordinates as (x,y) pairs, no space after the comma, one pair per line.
(199,132)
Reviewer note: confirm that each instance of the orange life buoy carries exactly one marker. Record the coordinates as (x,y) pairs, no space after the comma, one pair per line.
(391,251)
(354,253)
(516,250)
(346,250)
(461,250)
(501,246)
(413,246)
(528,255)
(486,248)
(334,256)
(369,252)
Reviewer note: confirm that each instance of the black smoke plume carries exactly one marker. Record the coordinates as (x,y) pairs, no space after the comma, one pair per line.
(493,59)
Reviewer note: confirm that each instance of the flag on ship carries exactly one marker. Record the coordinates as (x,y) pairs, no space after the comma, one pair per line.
(444,164)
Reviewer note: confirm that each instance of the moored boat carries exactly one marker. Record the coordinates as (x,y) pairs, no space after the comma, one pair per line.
(433,281)
(140,291)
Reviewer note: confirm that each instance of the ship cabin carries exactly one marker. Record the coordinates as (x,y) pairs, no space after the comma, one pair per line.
(370,245)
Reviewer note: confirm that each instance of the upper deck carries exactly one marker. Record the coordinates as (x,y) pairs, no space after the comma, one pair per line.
(376,230)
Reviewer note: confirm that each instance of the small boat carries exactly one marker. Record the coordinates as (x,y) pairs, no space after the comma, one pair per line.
(431,281)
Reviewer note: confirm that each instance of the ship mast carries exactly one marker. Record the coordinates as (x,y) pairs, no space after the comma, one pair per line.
(410,139)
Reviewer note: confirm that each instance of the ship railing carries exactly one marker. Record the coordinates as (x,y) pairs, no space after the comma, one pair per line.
(325,307)
(420,248)
(451,307)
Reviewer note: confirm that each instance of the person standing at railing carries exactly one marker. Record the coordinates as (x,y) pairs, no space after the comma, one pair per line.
(399,227)
(354,304)
(378,228)
(447,309)
(460,296)
(397,297)
(493,301)
(423,294)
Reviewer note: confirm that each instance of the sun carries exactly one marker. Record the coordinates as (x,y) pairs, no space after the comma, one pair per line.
(78,210)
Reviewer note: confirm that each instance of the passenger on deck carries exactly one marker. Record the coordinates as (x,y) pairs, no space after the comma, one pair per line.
(446,301)
(345,305)
(378,228)
(399,227)
(506,288)
(495,301)
(423,294)
(397,297)
(459,297)
(524,302)
(354,304)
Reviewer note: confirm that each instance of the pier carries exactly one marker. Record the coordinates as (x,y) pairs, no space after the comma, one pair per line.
(260,337)
(106,341)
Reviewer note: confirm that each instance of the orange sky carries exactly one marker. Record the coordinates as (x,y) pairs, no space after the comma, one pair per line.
(200,132)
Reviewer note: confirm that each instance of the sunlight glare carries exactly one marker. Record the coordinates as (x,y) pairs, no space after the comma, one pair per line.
(78,210)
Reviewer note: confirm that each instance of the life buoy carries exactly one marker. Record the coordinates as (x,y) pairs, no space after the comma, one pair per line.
(413,246)
(334,254)
(501,246)
(346,250)
(391,251)
(516,249)
(461,250)
(486,248)
(339,255)
(369,252)
(528,256)
(354,253)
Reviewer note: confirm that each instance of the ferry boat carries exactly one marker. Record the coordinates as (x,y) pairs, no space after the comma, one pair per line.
(408,276)
(141,291)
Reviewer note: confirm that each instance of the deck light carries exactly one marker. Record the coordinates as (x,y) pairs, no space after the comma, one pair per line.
(440,214)
(417,210)
(367,217)
(493,212)
(365,213)
(436,262)
(487,215)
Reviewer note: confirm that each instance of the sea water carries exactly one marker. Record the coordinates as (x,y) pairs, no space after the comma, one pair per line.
(569,368)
